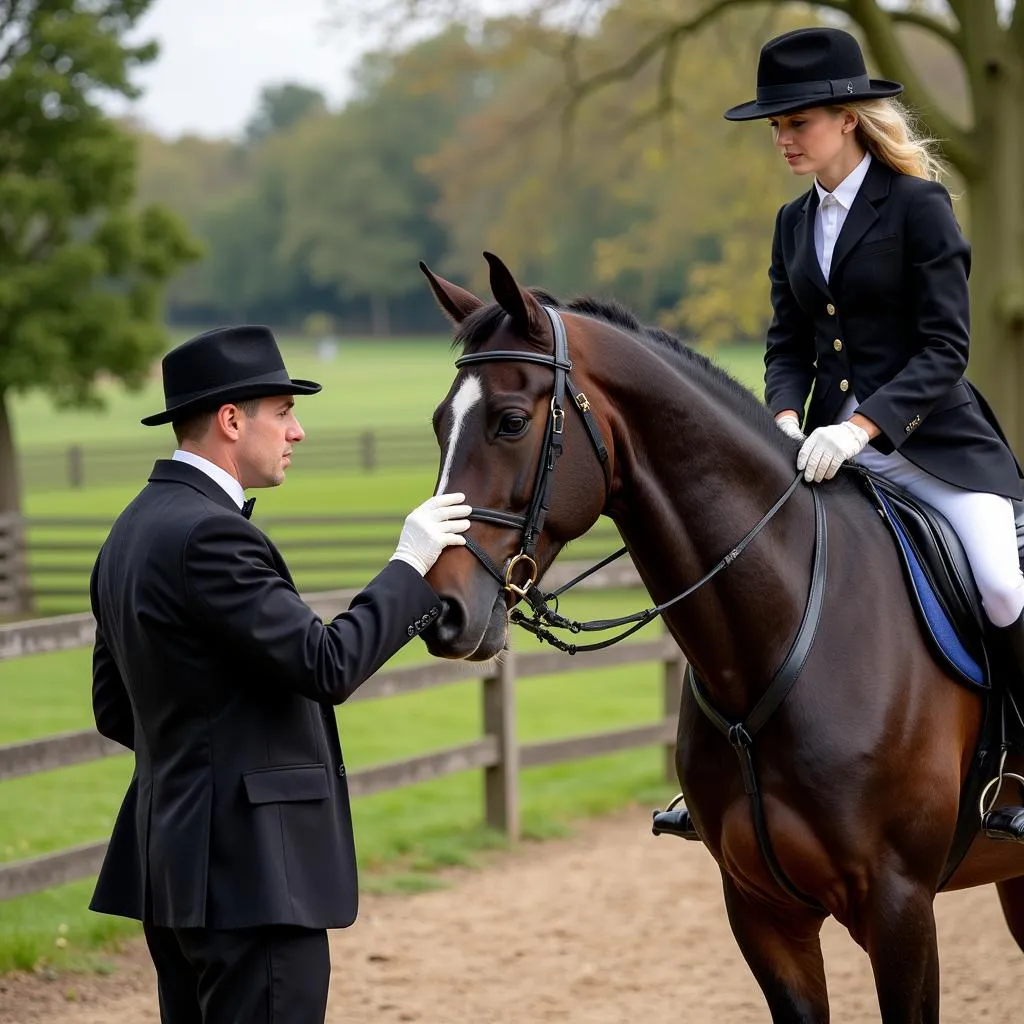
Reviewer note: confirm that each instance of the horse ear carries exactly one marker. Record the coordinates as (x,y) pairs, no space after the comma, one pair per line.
(526,312)
(455,301)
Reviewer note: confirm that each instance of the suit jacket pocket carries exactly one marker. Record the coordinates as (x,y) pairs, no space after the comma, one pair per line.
(287,784)
(958,394)
(874,246)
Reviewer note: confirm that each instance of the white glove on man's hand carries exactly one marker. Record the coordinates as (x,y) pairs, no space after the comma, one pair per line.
(790,426)
(431,527)
(828,448)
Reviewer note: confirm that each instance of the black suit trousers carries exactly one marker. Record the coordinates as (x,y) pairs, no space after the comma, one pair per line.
(276,974)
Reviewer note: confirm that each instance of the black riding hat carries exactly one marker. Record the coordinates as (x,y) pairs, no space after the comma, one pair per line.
(810,67)
(227,364)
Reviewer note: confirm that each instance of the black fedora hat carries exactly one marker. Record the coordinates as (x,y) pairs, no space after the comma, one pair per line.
(227,364)
(810,67)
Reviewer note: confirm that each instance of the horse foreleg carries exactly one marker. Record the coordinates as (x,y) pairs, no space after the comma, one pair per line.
(782,947)
(1011,896)
(898,932)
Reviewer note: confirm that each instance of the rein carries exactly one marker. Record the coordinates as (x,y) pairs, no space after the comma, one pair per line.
(543,612)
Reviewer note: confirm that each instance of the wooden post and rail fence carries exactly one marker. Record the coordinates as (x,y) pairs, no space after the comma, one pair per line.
(77,466)
(498,753)
(45,561)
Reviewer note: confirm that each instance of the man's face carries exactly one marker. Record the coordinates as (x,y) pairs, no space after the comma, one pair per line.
(265,442)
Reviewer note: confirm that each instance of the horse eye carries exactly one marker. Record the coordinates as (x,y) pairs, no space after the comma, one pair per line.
(512,425)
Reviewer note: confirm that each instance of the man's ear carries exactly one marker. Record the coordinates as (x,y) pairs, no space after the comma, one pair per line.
(227,421)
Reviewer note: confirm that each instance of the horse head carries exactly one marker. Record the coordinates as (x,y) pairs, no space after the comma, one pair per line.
(502,429)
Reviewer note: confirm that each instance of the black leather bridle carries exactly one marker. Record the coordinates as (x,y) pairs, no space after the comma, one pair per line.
(532,524)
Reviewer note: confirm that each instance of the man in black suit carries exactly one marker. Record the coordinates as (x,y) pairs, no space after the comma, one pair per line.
(234,843)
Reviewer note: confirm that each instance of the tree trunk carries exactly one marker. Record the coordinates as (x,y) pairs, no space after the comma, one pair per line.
(14,591)
(380,320)
(996,199)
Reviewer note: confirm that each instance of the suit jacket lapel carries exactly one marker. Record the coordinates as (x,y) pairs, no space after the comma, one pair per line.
(863,214)
(806,256)
(172,471)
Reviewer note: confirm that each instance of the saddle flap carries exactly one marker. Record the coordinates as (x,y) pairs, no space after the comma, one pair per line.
(939,578)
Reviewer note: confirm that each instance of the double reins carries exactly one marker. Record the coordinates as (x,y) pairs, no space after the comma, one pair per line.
(545,618)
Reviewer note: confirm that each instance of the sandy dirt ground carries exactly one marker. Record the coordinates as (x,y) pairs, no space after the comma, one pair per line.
(610,926)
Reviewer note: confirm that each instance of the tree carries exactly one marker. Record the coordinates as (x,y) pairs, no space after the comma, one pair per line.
(280,107)
(667,212)
(359,209)
(81,269)
(244,276)
(986,40)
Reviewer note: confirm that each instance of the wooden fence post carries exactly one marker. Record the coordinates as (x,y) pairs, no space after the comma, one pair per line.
(76,466)
(501,781)
(673,669)
(369,450)
(14,590)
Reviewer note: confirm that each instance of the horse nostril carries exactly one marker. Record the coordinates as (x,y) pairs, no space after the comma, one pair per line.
(452,620)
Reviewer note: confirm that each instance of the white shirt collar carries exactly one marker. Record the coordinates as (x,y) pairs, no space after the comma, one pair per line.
(846,191)
(215,473)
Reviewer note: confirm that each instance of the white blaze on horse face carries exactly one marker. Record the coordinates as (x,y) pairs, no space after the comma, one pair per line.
(465,398)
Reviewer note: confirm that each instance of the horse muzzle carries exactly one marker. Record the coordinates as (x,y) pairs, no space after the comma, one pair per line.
(457,633)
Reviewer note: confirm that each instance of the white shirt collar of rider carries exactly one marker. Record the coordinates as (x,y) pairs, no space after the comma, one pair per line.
(846,191)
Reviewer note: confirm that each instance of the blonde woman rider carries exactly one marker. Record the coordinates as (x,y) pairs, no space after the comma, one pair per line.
(871,316)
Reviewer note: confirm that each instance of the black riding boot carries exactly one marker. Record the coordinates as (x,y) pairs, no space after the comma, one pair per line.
(1008,822)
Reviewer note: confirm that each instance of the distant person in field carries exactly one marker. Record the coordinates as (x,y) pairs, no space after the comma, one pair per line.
(234,843)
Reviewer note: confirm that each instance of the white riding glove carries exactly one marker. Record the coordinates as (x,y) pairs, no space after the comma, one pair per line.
(828,448)
(790,426)
(431,527)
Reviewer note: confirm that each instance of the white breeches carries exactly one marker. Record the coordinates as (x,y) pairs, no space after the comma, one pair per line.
(983,522)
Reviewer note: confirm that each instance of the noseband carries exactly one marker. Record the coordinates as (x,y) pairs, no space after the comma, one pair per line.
(532,524)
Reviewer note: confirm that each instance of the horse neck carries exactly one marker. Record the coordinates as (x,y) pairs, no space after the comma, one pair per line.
(692,477)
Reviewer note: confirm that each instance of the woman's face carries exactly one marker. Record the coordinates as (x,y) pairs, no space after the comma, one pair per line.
(812,141)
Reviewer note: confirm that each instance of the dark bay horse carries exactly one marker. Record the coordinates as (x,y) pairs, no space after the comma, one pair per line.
(860,767)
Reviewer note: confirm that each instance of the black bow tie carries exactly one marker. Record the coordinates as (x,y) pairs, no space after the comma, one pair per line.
(247,507)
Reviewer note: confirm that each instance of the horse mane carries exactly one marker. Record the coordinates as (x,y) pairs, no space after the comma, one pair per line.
(480,325)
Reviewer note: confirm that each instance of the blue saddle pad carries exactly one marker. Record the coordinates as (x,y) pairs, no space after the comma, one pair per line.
(937,621)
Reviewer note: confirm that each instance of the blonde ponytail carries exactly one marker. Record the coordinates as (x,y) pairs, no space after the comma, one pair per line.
(889,131)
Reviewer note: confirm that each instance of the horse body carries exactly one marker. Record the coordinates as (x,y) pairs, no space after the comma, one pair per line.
(861,767)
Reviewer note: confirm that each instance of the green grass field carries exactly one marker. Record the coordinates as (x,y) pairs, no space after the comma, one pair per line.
(388,382)
(385,383)
(402,836)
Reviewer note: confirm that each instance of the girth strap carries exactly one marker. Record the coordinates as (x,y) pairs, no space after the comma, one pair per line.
(741,734)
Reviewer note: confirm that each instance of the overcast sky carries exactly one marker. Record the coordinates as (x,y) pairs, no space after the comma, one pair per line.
(215,55)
